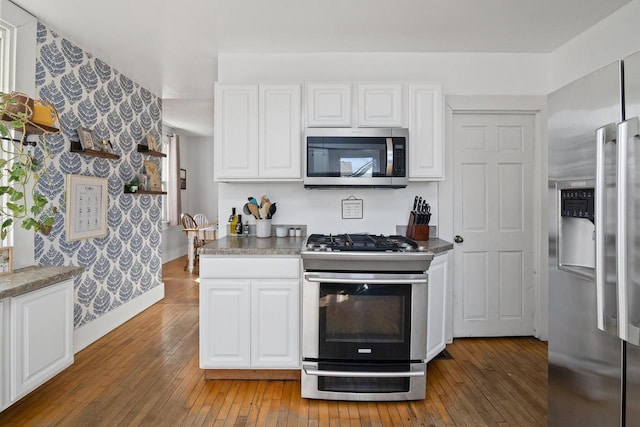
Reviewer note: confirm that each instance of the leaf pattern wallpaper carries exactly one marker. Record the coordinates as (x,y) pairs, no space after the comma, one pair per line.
(87,92)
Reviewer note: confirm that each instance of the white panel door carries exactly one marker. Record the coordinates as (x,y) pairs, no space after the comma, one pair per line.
(275,323)
(426,143)
(279,136)
(225,332)
(380,105)
(493,215)
(236,131)
(41,336)
(328,104)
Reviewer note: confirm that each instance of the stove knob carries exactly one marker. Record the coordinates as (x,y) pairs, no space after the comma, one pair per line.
(421,249)
(310,245)
(323,247)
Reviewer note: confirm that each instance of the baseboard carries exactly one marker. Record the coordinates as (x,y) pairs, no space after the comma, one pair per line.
(252,374)
(91,332)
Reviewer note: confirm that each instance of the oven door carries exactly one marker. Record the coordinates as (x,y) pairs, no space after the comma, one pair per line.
(364,317)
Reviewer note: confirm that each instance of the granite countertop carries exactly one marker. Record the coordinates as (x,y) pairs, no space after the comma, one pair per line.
(32,278)
(251,245)
(436,245)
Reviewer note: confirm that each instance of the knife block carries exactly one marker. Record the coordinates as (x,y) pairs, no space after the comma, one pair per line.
(417,231)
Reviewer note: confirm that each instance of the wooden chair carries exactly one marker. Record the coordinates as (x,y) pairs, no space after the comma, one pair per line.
(201,220)
(189,223)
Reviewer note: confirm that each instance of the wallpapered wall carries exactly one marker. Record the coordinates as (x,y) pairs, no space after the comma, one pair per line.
(87,92)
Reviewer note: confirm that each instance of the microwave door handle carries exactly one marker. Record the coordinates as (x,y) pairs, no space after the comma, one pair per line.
(604,135)
(389,156)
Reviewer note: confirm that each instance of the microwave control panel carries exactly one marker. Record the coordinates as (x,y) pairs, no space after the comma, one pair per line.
(399,163)
(577,203)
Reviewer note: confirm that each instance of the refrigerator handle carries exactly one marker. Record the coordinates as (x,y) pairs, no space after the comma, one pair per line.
(627,130)
(604,135)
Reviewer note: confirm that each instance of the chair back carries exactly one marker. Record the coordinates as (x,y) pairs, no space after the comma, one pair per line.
(201,220)
(188,221)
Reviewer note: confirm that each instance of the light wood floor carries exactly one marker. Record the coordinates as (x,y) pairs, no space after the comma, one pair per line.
(146,373)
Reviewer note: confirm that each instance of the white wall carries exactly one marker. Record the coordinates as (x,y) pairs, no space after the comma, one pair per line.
(201,195)
(463,74)
(321,210)
(460,73)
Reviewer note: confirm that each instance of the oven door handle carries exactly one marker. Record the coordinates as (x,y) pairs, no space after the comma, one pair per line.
(396,279)
(309,370)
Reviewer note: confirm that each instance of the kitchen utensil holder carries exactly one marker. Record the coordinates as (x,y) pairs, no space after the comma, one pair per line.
(263,228)
(417,231)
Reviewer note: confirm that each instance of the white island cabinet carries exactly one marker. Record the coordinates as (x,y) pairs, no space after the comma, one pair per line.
(249,312)
(437,304)
(257,132)
(4,345)
(37,339)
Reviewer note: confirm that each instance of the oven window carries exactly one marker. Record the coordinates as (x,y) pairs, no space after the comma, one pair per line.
(364,318)
(363,321)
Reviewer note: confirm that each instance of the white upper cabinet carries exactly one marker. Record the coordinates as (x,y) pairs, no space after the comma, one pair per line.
(279,137)
(236,131)
(380,105)
(328,104)
(257,132)
(426,143)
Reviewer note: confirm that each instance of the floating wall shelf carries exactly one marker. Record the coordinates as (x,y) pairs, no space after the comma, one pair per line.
(145,149)
(77,148)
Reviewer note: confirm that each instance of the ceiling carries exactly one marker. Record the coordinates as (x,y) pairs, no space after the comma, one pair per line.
(171,47)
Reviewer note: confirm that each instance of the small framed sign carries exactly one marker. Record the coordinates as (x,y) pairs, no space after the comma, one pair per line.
(6,260)
(352,208)
(86,215)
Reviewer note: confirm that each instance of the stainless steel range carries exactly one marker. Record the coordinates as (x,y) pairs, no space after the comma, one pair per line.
(364,317)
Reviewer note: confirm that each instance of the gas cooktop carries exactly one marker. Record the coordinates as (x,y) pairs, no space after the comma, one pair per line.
(361,242)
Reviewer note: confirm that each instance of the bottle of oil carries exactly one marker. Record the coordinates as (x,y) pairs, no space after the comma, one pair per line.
(233,220)
(239,225)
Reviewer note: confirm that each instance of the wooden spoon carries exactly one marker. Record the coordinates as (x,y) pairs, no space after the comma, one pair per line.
(264,200)
(266,207)
(254,210)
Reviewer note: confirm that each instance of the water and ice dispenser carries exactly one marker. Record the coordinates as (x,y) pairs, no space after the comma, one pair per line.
(576,228)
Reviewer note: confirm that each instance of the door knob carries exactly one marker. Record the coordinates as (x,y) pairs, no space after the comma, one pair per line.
(458,239)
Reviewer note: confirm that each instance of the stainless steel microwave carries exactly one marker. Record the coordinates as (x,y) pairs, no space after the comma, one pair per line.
(356,157)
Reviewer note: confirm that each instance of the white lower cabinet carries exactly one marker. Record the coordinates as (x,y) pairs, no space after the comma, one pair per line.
(436,336)
(249,312)
(40,330)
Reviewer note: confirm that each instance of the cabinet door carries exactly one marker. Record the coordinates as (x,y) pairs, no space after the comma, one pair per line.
(275,323)
(224,324)
(4,345)
(436,340)
(236,131)
(380,105)
(426,144)
(280,136)
(41,336)
(328,104)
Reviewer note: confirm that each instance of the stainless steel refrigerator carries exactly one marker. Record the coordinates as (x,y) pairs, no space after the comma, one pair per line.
(594,249)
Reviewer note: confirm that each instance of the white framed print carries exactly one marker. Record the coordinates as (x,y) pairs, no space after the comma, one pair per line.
(86,215)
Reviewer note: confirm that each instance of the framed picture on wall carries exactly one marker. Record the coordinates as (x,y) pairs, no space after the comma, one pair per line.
(183,179)
(86,215)
(6,260)
(87,139)
(151,169)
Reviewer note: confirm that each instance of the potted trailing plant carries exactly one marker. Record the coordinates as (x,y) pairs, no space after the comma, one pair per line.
(133,185)
(20,169)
